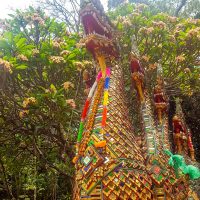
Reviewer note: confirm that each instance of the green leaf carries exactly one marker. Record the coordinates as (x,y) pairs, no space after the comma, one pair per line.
(45,75)
(31,9)
(60,91)
(22,67)
(21,42)
(4,44)
(71,56)
(52,86)
(11,15)
(9,37)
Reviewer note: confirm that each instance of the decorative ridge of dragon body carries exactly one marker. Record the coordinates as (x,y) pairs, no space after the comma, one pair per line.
(110,164)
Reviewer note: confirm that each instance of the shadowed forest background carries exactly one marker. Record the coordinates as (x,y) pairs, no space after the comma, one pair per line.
(42,88)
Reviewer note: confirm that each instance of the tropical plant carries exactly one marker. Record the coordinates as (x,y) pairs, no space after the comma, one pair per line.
(40,99)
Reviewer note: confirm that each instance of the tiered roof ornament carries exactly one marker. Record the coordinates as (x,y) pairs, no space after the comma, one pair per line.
(110,165)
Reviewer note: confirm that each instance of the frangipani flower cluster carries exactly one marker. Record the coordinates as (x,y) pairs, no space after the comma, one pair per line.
(28,101)
(5,66)
(67,85)
(57,59)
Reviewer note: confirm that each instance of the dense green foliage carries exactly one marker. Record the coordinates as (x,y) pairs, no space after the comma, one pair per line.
(42,92)
(40,100)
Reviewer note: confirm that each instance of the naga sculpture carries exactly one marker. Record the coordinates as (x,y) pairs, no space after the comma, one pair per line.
(137,74)
(182,134)
(110,163)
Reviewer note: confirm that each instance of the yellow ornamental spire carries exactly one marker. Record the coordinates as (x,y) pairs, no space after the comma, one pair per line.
(102,63)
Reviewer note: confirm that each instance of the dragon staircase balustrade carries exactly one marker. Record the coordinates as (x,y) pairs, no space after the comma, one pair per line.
(110,163)
(182,134)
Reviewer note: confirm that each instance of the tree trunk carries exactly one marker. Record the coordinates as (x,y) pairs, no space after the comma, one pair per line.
(6,182)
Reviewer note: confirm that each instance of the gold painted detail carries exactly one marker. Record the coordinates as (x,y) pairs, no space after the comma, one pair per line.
(90,121)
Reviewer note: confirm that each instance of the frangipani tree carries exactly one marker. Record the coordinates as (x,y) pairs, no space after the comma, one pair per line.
(40,100)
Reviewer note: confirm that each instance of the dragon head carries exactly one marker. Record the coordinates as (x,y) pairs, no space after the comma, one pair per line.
(98,29)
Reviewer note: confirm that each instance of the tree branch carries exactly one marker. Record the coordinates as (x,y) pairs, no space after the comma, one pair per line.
(182,4)
(5,181)
(46,161)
